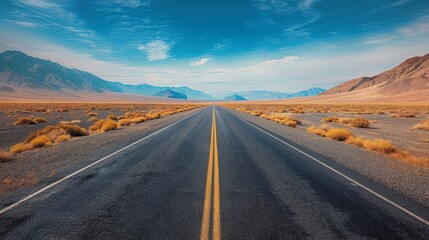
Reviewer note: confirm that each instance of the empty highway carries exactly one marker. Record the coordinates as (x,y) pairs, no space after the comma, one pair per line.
(212,175)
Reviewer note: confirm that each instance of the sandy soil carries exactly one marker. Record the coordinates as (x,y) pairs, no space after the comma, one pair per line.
(25,95)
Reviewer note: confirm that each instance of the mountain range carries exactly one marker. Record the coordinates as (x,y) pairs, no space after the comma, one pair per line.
(234,97)
(171,94)
(20,71)
(271,95)
(409,81)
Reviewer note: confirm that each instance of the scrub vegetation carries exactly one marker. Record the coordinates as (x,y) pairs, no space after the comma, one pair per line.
(342,125)
(116,116)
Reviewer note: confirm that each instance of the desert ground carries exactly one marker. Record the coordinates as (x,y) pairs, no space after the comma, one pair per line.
(18,120)
(405,125)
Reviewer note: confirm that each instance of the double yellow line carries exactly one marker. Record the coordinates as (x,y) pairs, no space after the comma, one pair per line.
(212,169)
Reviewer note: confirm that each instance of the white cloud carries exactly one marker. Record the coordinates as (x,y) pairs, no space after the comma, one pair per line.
(156,50)
(284,60)
(40,3)
(23,23)
(390,5)
(200,62)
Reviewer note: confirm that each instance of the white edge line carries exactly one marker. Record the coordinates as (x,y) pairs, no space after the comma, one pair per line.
(90,165)
(341,174)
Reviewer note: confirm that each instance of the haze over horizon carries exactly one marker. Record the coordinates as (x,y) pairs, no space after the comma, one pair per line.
(220,45)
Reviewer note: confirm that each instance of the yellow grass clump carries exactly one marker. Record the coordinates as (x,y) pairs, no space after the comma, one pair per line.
(48,136)
(355,122)
(5,156)
(77,121)
(40,141)
(423,125)
(62,138)
(109,125)
(339,134)
(93,119)
(112,117)
(291,123)
(317,131)
(283,119)
(125,122)
(103,126)
(39,120)
(379,145)
(92,114)
(23,121)
(403,116)
(151,116)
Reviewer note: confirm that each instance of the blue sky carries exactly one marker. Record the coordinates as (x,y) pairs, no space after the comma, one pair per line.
(220,45)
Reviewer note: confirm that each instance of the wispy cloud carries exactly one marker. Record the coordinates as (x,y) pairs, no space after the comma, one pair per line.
(199,62)
(23,23)
(156,50)
(55,17)
(284,60)
(414,31)
(290,17)
(391,5)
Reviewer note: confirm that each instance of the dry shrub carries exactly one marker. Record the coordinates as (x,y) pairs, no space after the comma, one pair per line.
(109,125)
(103,126)
(23,121)
(96,126)
(73,130)
(298,110)
(379,145)
(403,116)
(355,122)
(339,134)
(406,157)
(40,141)
(39,120)
(50,131)
(5,156)
(151,116)
(93,119)
(139,119)
(124,122)
(291,123)
(256,112)
(280,118)
(317,131)
(64,122)
(62,138)
(423,125)
(358,141)
(92,114)
(112,117)
(330,119)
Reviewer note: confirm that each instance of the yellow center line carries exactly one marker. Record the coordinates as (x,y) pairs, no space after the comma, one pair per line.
(213,159)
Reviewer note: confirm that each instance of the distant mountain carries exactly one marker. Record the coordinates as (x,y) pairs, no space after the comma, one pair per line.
(171,94)
(270,95)
(307,93)
(411,77)
(18,70)
(234,97)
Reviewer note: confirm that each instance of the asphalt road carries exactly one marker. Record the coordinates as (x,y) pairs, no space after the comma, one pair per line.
(211,176)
